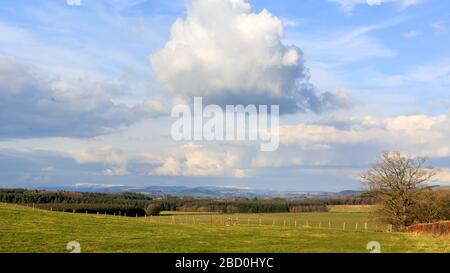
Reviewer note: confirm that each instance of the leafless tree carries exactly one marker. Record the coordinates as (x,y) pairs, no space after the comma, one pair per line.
(397,181)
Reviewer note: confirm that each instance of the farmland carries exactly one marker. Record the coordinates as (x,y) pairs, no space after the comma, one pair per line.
(24,229)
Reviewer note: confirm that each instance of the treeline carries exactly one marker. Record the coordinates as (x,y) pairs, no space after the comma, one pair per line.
(81,202)
(428,206)
(425,206)
(46,196)
(360,199)
(131,204)
(111,209)
(236,205)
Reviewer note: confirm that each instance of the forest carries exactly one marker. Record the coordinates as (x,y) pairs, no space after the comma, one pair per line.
(132,204)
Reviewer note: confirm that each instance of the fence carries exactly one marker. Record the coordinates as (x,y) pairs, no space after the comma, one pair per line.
(319,220)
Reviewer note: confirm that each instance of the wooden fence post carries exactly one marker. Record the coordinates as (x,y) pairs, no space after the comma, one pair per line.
(356,227)
(343,226)
(365,226)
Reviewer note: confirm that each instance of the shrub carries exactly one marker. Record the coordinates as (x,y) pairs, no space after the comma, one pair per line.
(153,209)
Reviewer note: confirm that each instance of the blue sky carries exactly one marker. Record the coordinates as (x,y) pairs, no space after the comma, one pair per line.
(86,88)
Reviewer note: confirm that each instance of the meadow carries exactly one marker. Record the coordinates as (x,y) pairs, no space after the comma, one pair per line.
(24,229)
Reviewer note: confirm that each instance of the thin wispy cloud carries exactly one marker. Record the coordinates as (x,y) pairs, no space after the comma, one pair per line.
(73,2)
(349,5)
(438,26)
(411,34)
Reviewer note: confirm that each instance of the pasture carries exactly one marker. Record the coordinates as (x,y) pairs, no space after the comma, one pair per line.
(24,229)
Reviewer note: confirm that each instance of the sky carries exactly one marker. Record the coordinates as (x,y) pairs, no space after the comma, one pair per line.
(87,87)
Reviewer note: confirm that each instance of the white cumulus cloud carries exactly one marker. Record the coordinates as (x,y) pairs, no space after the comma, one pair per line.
(225,52)
(197,161)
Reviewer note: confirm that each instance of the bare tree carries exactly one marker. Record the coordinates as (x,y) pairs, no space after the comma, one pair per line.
(396,181)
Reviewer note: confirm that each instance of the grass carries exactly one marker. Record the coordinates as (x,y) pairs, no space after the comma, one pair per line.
(352,208)
(184,213)
(25,229)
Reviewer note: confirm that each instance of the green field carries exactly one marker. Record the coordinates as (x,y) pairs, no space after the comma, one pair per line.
(352,208)
(24,229)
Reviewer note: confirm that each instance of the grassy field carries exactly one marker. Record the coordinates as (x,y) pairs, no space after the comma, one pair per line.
(25,229)
(352,208)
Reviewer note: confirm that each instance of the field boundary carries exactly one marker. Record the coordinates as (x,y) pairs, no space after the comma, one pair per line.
(285,221)
(441,228)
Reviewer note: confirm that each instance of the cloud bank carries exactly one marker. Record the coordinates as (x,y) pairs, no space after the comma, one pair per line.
(33,104)
(419,134)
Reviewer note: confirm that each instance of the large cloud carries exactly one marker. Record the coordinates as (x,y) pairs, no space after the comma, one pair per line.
(228,54)
(417,134)
(36,105)
(315,150)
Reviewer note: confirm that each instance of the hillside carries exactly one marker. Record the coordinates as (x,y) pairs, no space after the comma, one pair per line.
(25,229)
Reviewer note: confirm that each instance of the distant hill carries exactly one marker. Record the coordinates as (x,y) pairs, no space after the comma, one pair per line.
(201,192)
(349,193)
